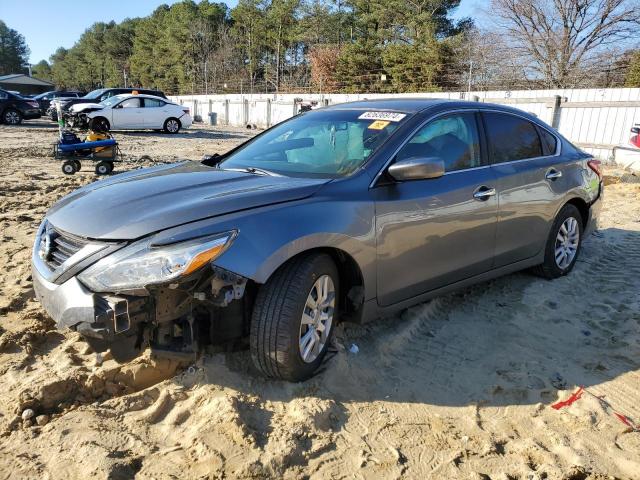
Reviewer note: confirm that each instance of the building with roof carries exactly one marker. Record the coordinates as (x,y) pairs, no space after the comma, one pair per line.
(25,84)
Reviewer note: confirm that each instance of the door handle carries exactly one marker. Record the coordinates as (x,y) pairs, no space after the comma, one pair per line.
(553,174)
(483,193)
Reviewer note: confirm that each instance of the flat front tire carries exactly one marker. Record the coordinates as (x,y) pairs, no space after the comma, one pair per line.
(563,245)
(294,316)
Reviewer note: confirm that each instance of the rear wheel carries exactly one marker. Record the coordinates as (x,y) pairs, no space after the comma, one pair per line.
(293,318)
(563,245)
(104,168)
(12,117)
(172,125)
(69,167)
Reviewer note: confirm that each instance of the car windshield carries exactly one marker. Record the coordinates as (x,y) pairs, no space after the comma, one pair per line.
(324,143)
(42,95)
(95,93)
(111,101)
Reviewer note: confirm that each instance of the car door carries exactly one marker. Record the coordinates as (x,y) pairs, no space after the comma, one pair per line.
(128,114)
(431,233)
(529,183)
(155,113)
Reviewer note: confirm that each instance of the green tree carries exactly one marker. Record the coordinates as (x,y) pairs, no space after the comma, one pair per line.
(14,53)
(632,78)
(42,70)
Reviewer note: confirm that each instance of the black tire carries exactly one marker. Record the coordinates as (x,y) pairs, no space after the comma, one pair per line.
(99,124)
(69,167)
(277,316)
(549,268)
(170,125)
(104,168)
(11,116)
(78,165)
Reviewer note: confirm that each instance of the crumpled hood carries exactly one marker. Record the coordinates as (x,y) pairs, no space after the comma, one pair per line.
(83,106)
(134,204)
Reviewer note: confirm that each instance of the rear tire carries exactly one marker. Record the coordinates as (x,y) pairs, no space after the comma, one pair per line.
(279,338)
(12,116)
(563,245)
(172,125)
(104,168)
(69,167)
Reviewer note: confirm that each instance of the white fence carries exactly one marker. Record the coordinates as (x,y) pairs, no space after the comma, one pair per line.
(595,119)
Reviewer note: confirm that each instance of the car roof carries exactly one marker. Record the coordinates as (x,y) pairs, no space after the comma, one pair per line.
(137,95)
(414,105)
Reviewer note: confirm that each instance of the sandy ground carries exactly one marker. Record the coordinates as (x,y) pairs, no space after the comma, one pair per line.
(460,387)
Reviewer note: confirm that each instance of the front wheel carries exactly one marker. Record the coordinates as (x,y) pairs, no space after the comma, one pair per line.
(563,245)
(99,124)
(172,125)
(293,318)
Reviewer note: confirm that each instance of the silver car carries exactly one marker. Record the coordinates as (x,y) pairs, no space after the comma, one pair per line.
(346,213)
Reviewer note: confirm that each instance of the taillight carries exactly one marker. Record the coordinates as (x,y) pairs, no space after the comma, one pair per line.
(595,166)
(635,140)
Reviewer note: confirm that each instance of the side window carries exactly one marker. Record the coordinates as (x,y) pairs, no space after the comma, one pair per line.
(131,103)
(104,96)
(549,142)
(152,103)
(511,138)
(453,138)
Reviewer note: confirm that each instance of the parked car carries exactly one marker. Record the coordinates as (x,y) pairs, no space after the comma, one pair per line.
(348,212)
(96,96)
(14,108)
(44,99)
(122,112)
(627,155)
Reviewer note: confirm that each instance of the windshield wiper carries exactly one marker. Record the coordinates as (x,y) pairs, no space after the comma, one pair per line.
(252,170)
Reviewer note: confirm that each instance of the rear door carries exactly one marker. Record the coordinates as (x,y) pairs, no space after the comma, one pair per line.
(529,184)
(155,112)
(128,114)
(431,233)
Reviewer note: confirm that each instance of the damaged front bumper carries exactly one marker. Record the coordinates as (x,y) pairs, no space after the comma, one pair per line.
(175,320)
(73,306)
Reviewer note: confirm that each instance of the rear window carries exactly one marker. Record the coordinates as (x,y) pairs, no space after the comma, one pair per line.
(549,142)
(511,137)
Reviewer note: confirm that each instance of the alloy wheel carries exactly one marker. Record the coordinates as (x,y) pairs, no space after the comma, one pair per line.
(12,117)
(567,242)
(317,317)
(172,126)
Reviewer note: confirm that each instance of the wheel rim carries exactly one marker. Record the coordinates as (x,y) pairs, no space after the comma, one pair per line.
(68,169)
(102,169)
(12,118)
(567,242)
(317,317)
(172,126)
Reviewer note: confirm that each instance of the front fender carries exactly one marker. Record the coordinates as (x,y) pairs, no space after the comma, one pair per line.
(269,236)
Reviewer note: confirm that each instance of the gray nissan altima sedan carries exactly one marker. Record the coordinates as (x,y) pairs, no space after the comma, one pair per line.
(350,212)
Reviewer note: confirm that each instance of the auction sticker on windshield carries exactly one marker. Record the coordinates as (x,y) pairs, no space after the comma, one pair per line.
(379,125)
(389,116)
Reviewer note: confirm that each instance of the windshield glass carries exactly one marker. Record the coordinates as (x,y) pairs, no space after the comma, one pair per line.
(95,93)
(110,101)
(324,143)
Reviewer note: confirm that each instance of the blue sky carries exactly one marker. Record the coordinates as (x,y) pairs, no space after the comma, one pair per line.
(49,24)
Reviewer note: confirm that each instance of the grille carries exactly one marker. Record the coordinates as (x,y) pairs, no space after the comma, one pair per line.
(63,246)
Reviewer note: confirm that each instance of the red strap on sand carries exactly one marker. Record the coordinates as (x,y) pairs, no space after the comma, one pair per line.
(565,403)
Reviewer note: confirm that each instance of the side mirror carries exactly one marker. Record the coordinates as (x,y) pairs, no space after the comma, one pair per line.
(417,168)
(635,130)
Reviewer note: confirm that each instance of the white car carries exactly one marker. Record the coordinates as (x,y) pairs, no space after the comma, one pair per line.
(131,111)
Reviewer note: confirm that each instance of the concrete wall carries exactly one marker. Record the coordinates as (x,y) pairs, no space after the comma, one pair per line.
(595,119)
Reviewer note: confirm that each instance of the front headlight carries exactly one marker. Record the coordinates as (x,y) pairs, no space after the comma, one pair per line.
(142,263)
